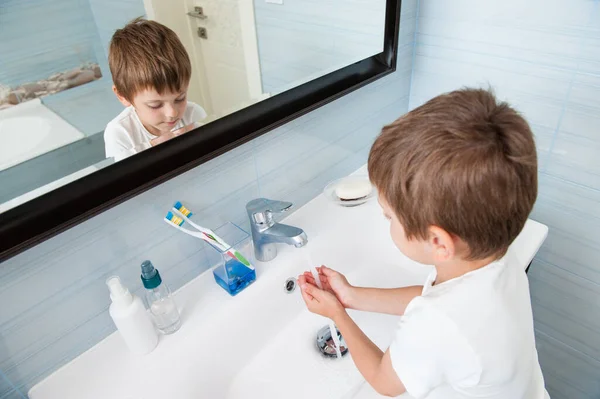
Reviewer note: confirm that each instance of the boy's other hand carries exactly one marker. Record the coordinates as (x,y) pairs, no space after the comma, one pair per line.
(334,282)
(319,301)
(185,129)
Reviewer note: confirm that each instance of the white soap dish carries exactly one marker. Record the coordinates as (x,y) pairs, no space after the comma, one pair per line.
(350,191)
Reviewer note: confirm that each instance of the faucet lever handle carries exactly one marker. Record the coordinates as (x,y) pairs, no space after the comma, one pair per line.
(261,210)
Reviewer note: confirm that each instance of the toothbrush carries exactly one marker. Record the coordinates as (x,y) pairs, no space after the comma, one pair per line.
(186,214)
(215,239)
(177,222)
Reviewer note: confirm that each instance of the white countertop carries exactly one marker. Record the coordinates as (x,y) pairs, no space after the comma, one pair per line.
(236,347)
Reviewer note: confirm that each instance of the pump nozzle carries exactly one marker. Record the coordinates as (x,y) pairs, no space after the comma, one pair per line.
(150,276)
(118,293)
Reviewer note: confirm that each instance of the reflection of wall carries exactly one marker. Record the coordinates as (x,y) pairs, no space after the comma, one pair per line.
(41,37)
(54,296)
(111,15)
(546,60)
(60,35)
(299,38)
(50,166)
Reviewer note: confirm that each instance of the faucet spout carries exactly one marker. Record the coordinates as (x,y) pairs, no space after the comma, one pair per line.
(285,234)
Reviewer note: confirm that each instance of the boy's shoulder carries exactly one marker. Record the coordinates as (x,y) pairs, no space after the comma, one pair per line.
(194,112)
(126,121)
(496,293)
(125,117)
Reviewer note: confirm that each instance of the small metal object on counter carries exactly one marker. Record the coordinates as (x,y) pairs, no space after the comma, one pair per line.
(326,345)
(290,285)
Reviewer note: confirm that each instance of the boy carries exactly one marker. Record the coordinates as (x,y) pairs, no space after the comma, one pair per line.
(457,179)
(151,72)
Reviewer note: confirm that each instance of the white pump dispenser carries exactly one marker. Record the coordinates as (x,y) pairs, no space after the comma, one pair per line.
(131,318)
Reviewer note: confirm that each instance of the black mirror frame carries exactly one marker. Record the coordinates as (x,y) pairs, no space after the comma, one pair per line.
(43,217)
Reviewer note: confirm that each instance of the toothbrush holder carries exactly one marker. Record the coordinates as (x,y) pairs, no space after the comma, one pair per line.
(233,273)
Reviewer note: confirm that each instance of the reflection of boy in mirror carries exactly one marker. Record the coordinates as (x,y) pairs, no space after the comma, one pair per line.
(151,72)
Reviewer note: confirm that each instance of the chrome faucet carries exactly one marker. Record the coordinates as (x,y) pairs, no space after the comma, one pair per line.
(266,232)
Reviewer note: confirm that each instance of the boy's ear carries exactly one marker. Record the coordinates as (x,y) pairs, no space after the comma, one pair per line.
(122,99)
(442,244)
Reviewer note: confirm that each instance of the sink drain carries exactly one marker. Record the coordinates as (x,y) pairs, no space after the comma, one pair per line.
(290,285)
(326,345)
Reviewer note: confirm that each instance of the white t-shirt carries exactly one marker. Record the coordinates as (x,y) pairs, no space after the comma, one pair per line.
(470,337)
(125,135)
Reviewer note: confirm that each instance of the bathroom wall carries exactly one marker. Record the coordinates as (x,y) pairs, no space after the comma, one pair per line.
(111,15)
(299,38)
(54,297)
(545,60)
(41,37)
(60,35)
(66,34)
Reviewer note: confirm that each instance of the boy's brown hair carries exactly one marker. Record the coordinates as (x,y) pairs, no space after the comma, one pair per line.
(463,162)
(147,55)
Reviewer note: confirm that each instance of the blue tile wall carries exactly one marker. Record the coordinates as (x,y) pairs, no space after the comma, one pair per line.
(60,35)
(544,58)
(111,15)
(302,38)
(54,294)
(42,37)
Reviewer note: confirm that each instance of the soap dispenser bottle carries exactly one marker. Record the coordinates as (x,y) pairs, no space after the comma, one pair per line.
(160,302)
(131,318)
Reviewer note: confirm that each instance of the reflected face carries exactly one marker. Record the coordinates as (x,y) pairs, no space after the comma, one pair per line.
(159,113)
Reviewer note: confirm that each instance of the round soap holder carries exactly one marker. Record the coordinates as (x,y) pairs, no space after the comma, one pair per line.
(331,195)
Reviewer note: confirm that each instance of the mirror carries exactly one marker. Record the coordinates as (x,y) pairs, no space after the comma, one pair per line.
(56,89)
(255,65)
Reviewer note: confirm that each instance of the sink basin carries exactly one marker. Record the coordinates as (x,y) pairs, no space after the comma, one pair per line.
(261,343)
(289,364)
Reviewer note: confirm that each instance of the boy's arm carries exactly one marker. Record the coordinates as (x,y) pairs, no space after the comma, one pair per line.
(428,349)
(374,365)
(382,300)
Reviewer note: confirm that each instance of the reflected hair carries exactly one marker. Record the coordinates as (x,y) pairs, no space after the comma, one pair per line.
(148,55)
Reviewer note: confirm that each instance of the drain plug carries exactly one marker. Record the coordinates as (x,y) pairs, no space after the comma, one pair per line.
(326,345)
(290,285)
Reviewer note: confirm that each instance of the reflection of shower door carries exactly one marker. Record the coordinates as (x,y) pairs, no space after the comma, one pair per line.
(226,71)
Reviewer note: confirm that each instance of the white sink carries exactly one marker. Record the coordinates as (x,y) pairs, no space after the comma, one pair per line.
(261,343)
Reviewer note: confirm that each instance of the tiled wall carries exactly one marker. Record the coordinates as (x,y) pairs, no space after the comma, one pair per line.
(300,38)
(41,37)
(111,15)
(54,296)
(544,58)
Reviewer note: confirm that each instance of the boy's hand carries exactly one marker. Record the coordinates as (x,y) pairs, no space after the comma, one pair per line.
(185,129)
(174,133)
(318,301)
(334,282)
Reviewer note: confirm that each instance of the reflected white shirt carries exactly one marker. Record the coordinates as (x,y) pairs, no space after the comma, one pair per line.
(125,135)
